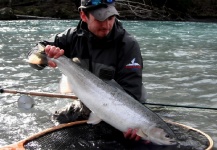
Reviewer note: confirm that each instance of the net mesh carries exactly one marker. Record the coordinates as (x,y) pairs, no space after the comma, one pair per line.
(103,136)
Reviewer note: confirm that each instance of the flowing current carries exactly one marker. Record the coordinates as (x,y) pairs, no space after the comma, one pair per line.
(179,68)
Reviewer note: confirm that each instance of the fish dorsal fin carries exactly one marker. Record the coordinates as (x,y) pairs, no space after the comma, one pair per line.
(93,119)
(76,60)
(80,62)
(142,134)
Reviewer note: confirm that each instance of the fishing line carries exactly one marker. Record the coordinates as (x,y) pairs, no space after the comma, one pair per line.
(56,95)
(169,105)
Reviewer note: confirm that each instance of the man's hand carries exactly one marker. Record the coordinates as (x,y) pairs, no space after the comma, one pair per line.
(53,52)
(131,134)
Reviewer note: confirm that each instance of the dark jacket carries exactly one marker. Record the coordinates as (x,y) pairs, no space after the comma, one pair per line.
(117,56)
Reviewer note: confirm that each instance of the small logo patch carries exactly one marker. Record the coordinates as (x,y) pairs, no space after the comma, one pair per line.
(133,65)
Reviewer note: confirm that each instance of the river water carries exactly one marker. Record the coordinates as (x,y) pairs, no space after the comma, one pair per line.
(179,68)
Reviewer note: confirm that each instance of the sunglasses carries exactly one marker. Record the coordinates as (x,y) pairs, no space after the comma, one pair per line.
(97,2)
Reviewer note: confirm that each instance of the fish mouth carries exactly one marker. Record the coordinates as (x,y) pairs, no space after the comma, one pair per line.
(173,142)
(171,139)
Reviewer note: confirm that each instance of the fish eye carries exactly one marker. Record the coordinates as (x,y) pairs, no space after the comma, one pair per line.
(167,136)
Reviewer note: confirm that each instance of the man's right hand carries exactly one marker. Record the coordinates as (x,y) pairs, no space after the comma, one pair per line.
(53,52)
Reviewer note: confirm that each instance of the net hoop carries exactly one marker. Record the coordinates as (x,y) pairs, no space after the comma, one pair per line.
(211,143)
(20,145)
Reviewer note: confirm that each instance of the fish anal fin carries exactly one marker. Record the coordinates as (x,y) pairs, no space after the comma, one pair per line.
(65,85)
(93,119)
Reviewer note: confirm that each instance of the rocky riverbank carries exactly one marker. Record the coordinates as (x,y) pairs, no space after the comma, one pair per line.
(133,10)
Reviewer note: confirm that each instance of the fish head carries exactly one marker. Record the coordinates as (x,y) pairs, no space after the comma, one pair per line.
(157,136)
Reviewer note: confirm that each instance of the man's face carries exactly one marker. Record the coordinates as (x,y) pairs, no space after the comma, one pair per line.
(99,28)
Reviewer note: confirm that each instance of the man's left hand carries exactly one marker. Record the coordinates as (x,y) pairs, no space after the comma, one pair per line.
(131,134)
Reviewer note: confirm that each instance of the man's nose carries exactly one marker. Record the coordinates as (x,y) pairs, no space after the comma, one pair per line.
(105,23)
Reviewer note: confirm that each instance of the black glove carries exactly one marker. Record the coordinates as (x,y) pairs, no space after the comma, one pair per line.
(72,112)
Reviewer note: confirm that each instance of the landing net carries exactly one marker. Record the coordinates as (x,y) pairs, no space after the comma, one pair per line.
(103,136)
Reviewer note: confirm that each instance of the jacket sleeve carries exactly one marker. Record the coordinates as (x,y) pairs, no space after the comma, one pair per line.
(129,71)
(60,40)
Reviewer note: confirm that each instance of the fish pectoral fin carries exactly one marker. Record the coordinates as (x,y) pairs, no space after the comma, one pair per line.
(142,134)
(93,119)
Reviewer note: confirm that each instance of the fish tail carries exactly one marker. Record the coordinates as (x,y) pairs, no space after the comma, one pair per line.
(38,59)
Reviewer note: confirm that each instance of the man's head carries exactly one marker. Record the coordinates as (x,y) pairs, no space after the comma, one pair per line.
(100,9)
(99,15)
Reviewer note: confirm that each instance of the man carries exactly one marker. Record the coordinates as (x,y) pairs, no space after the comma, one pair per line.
(104,47)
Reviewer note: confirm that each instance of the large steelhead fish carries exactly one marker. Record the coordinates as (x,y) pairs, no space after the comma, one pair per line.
(111,104)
